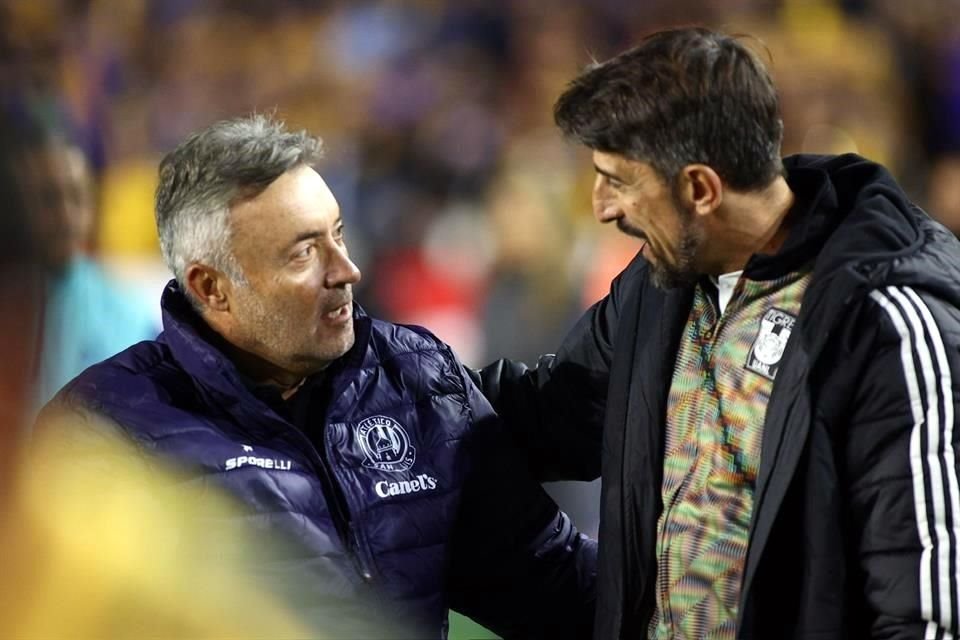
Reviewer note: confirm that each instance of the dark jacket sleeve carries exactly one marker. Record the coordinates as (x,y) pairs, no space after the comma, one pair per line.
(898,446)
(556,409)
(518,564)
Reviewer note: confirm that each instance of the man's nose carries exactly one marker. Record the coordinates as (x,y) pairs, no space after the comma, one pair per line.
(341,270)
(605,208)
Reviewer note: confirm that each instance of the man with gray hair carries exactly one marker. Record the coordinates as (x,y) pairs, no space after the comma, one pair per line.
(363,443)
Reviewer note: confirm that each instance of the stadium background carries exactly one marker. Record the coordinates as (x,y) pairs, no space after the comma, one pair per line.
(465,210)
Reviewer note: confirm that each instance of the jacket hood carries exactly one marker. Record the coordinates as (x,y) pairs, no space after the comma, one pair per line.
(875,237)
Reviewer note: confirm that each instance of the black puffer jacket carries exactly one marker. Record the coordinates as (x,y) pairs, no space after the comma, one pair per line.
(856,520)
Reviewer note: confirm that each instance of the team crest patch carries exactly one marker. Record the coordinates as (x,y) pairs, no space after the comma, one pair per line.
(385,444)
(770,343)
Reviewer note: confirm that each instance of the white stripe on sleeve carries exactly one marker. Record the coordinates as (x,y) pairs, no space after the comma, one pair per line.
(930,388)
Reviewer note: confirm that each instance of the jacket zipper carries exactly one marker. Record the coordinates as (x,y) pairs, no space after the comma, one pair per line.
(711,335)
(340,511)
(365,567)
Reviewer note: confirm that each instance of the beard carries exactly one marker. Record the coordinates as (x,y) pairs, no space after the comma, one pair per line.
(683,272)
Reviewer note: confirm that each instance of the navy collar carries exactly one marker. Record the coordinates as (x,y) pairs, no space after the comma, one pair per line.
(200,351)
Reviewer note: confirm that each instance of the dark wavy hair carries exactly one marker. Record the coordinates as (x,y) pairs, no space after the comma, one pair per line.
(682,96)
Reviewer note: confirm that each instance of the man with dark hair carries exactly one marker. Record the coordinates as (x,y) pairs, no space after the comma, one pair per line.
(362,442)
(774,375)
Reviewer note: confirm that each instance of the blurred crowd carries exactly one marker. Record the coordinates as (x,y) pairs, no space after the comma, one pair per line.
(465,210)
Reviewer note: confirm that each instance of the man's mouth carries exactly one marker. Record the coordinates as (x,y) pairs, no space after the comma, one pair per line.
(339,311)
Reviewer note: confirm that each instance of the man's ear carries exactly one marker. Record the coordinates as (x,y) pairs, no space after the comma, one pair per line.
(208,286)
(701,189)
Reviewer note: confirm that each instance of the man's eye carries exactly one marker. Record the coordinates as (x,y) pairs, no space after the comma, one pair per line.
(306,252)
(338,235)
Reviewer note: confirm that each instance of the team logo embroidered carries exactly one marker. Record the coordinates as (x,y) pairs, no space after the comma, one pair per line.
(385,444)
(770,343)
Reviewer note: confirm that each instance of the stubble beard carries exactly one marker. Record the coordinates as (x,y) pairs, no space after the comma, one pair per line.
(275,332)
(671,276)
(683,273)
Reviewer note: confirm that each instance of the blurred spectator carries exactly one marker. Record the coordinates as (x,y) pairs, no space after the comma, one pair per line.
(943,191)
(20,287)
(85,315)
(103,549)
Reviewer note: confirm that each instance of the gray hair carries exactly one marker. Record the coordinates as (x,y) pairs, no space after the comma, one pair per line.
(207,172)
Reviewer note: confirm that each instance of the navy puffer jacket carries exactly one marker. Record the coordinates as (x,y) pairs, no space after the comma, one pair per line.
(405,499)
